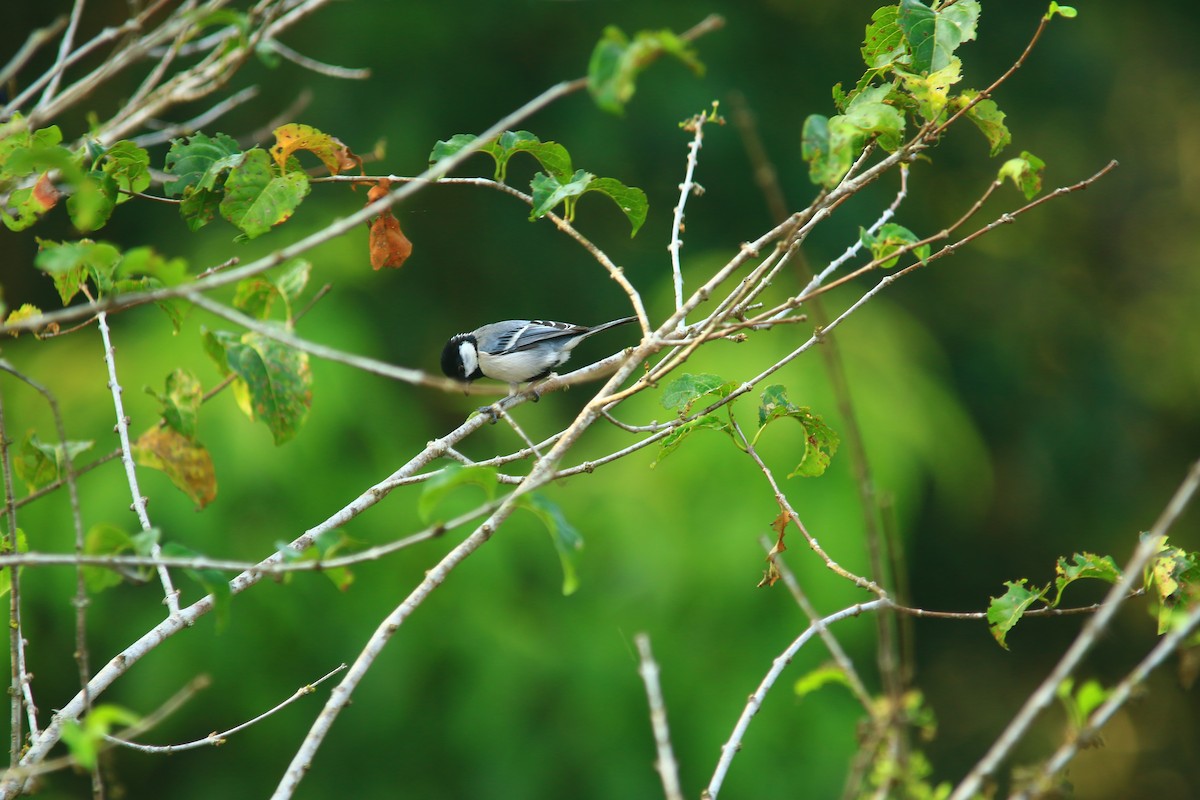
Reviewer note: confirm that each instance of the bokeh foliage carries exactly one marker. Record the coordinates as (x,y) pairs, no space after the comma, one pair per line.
(1033,397)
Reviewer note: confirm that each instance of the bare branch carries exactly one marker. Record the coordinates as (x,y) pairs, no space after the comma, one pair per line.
(668,769)
(1043,696)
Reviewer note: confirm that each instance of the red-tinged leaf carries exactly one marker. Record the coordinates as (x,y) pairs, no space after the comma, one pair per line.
(44,193)
(333,154)
(186,462)
(389,246)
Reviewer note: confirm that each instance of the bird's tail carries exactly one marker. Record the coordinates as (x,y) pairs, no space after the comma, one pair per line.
(606,325)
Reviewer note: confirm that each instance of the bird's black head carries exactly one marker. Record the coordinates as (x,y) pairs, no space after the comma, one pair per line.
(460,358)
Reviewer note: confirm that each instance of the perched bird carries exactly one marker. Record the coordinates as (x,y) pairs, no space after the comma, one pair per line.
(516,350)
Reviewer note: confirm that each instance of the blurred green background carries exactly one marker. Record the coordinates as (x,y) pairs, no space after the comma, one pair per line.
(1034,396)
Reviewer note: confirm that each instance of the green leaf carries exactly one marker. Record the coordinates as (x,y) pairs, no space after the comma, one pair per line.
(549,191)
(444,148)
(104,540)
(91,204)
(30,203)
(931,91)
(871,113)
(1006,611)
(39,464)
(199,162)
(671,442)
(24,155)
(1025,172)
(147,261)
(1173,578)
(129,167)
(450,478)
(617,62)
(1080,704)
(1067,12)
(85,739)
(256,198)
(685,390)
(274,382)
(933,36)
(631,200)
(988,118)
(830,145)
(553,157)
(567,540)
(184,460)
(1084,565)
(884,43)
(70,264)
(255,296)
(818,678)
(889,239)
(821,441)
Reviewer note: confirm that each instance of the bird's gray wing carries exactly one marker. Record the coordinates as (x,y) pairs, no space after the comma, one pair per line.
(514,335)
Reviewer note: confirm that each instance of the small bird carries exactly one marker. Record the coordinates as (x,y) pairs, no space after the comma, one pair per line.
(516,350)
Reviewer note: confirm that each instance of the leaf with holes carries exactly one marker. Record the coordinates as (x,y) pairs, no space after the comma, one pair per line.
(1006,611)
(294,137)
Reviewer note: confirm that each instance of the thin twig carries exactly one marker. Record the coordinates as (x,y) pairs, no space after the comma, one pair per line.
(853,679)
(197,122)
(32,44)
(64,48)
(219,738)
(668,768)
(1117,697)
(686,189)
(319,67)
(734,744)
(122,428)
(1148,546)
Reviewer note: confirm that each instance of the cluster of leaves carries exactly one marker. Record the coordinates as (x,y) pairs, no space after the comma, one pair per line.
(559,184)
(567,540)
(821,441)
(912,70)
(1172,580)
(98,179)
(254,189)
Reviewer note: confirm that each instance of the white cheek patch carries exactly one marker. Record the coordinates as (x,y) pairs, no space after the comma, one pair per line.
(470,358)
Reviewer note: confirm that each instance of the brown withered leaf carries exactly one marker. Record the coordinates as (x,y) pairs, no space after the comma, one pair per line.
(186,462)
(382,187)
(389,246)
(44,193)
(333,154)
(779,525)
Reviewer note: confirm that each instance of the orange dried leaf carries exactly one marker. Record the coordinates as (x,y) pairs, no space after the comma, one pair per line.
(389,246)
(44,193)
(333,154)
(379,190)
